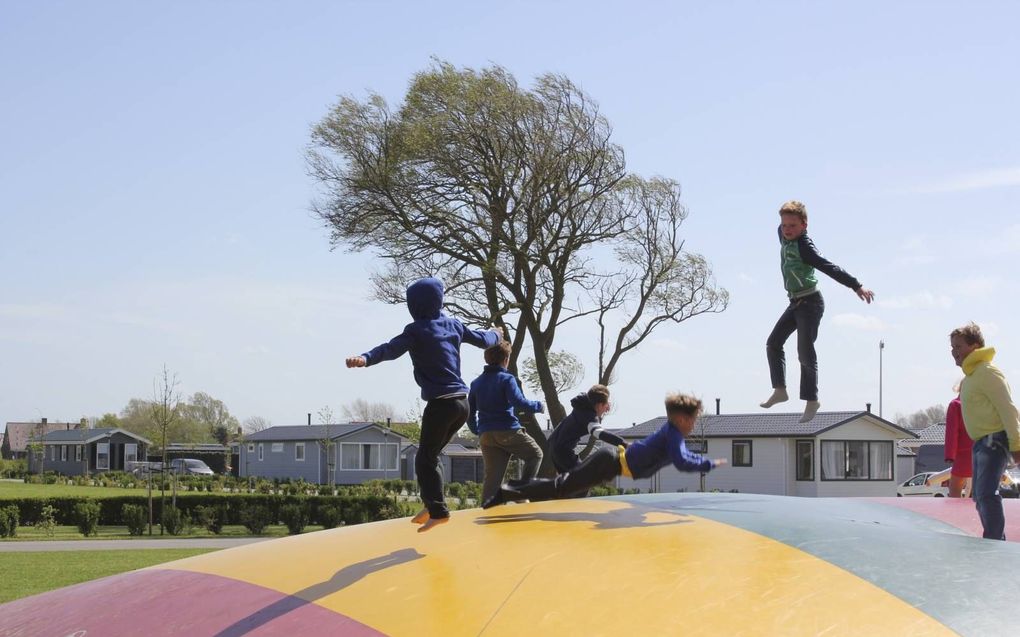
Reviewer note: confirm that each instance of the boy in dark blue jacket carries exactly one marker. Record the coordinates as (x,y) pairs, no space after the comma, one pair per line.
(587,408)
(433,340)
(493,399)
(641,459)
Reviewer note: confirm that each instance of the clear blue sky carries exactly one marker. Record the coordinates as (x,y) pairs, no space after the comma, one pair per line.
(154,198)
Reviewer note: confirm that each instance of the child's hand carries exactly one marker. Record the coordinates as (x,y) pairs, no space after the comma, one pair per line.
(866,295)
(356,361)
(718,462)
(541,407)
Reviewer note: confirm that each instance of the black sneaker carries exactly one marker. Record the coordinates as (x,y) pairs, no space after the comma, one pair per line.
(494,500)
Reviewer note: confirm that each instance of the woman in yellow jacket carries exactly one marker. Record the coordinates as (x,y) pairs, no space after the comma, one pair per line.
(991,420)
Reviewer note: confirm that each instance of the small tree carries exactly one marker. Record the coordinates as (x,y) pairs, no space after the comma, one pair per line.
(165,409)
(327,445)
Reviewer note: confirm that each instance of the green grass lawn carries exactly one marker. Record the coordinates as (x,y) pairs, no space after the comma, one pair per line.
(30,533)
(9,490)
(26,574)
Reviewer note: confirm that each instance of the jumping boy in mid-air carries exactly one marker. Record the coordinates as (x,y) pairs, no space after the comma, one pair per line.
(798,260)
(641,459)
(433,339)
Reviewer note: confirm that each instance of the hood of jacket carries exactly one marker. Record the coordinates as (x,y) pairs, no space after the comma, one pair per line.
(980,355)
(425,298)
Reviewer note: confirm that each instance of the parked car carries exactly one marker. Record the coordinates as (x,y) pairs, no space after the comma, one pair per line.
(923,484)
(190,466)
(1009,484)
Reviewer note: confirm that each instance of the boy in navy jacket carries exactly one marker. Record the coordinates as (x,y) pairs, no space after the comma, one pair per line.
(641,459)
(493,399)
(587,409)
(433,340)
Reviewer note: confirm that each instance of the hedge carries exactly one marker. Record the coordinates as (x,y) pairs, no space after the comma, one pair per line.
(354,508)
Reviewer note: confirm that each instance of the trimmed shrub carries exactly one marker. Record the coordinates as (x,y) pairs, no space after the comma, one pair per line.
(329,516)
(175,521)
(8,521)
(211,517)
(86,516)
(133,517)
(46,520)
(295,517)
(255,519)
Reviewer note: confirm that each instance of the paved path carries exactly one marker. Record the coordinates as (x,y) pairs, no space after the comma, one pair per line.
(121,545)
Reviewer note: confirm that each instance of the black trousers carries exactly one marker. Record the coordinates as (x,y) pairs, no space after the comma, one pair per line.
(601,466)
(803,315)
(442,418)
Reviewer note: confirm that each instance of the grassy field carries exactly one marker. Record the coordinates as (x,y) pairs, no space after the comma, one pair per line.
(10,490)
(30,573)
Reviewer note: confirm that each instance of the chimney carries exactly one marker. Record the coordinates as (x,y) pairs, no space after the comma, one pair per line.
(717,402)
(309,419)
(868,406)
(44,421)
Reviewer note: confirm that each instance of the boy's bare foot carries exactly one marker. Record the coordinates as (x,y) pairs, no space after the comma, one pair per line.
(779,395)
(810,409)
(432,522)
(421,518)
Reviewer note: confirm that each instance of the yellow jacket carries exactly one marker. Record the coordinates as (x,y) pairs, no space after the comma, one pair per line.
(985,398)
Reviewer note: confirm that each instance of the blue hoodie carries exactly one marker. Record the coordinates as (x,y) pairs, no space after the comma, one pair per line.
(494,396)
(433,340)
(645,457)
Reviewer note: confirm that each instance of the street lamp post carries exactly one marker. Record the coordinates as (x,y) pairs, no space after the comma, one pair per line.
(881,347)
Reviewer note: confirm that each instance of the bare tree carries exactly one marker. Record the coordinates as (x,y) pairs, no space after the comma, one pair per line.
(508,195)
(256,424)
(165,409)
(361,410)
(922,418)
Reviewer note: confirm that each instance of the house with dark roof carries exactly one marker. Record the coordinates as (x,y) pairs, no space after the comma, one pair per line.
(353,452)
(838,453)
(83,451)
(930,447)
(18,434)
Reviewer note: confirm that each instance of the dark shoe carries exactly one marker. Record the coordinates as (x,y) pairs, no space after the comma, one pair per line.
(494,500)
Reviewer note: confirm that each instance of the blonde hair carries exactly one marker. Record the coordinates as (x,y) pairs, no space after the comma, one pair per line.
(677,403)
(970,333)
(794,207)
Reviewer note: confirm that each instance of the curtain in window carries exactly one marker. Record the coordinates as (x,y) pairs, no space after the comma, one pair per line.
(881,460)
(102,455)
(371,457)
(350,457)
(856,459)
(833,460)
(805,460)
(390,456)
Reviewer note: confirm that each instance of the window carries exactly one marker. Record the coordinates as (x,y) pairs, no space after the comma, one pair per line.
(741,453)
(299,451)
(53,452)
(102,455)
(77,453)
(130,452)
(368,456)
(805,460)
(261,452)
(251,447)
(857,460)
(63,453)
(277,447)
(697,446)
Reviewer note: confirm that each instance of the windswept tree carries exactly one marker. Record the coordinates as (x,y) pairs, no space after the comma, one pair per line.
(520,202)
(255,424)
(213,416)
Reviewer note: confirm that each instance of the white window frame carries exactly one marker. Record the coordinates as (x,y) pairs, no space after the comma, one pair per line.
(63,453)
(53,453)
(361,455)
(299,446)
(100,464)
(277,447)
(130,452)
(251,447)
(866,456)
(262,452)
(77,453)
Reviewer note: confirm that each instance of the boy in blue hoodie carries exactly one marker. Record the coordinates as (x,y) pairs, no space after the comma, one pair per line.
(641,459)
(433,340)
(493,399)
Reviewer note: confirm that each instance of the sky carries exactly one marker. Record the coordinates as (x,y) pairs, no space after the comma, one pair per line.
(155,199)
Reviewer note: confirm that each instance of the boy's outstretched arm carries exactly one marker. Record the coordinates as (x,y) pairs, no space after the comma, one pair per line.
(595,429)
(394,348)
(356,361)
(809,254)
(481,338)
